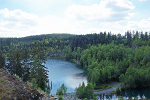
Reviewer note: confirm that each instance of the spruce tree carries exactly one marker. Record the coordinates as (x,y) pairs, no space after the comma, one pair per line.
(18,65)
(2,60)
(39,71)
(25,64)
(14,65)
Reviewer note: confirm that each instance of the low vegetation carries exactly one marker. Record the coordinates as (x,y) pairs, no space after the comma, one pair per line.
(102,87)
(62,90)
(85,92)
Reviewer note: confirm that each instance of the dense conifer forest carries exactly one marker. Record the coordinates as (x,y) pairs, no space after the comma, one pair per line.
(107,57)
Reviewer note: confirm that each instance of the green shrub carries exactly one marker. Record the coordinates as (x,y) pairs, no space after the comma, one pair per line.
(118,91)
(62,90)
(1,80)
(34,85)
(60,97)
(120,98)
(85,91)
(59,91)
(17,77)
(85,99)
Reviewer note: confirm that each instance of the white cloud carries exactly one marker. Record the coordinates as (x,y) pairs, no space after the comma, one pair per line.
(108,15)
(142,0)
(17,18)
(142,25)
(17,23)
(107,10)
(116,27)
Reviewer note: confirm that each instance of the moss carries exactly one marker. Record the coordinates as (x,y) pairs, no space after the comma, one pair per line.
(1,80)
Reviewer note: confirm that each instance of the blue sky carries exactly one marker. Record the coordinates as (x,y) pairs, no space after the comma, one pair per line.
(19,18)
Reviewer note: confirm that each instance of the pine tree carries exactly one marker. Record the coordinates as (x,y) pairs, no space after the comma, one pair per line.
(14,65)
(18,65)
(129,38)
(2,60)
(11,60)
(39,71)
(89,91)
(26,65)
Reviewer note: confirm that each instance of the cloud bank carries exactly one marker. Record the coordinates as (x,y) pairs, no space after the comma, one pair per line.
(109,15)
(107,10)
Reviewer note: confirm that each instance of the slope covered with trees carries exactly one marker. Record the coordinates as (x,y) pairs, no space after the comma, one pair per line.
(28,67)
(106,56)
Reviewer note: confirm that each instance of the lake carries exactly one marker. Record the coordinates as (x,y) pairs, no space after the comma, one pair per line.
(64,72)
(72,75)
(128,94)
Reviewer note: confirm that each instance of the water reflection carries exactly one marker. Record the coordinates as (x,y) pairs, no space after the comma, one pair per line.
(64,72)
(128,94)
(74,81)
(139,94)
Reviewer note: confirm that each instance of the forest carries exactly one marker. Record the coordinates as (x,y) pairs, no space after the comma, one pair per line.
(107,57)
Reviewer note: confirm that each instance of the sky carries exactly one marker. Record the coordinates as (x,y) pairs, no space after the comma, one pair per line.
(20,18)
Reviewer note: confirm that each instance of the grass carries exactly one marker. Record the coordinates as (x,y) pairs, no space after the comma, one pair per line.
(113,92)
(17,77)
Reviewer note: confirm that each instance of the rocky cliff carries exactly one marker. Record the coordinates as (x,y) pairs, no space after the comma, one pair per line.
(13,88)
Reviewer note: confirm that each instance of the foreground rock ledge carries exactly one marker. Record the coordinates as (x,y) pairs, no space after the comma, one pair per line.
(11,88)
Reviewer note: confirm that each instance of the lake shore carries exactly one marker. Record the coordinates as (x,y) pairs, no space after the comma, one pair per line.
(72,96)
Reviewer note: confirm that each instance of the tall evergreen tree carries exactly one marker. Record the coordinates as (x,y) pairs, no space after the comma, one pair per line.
(26,65)
(129,38)
(39,71)
(2,60)
(18,65)
(146,36)
(14,65)
(11,61)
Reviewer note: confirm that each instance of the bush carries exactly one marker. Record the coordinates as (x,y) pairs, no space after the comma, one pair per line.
(62,90)
(85,92)
(80,91)
(60,97)
(59,92)
(85,99)
(33,81)
(89,91)
(120,98)
(118,91)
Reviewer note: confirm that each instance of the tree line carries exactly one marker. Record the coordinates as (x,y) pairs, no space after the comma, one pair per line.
(106,56)
(29,67)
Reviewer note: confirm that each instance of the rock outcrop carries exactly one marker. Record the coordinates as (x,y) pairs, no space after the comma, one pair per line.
(13,88)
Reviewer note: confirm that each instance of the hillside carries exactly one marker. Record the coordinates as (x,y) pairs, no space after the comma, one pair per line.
(13,88)
(106,57)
